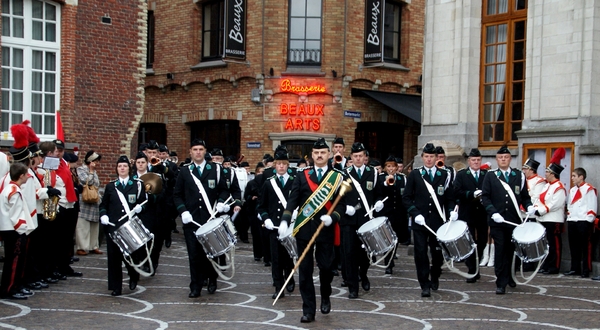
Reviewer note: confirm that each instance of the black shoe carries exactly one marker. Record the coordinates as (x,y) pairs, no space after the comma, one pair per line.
(26,292)
(175,231)
(194,294)
(472,280)
(512,283)
(245,241)
(51,280)
(344,284)
(116,293)
(267,264)
(585,275)
(291,285)
(389,271)
(335,272)
(59,276)
(42,284)
(307,318)
(553,272)
(132,284)
(34,286)
(146,269)
(353,295)
(500,290)
(16,296)
(596,278)
(212,286)
(325,305)
(256,259)
(75,259)
(435,284)
(75,274)
(274,296)
(425,292)
(542,271)
(168,242)
(571,272)
(366,285)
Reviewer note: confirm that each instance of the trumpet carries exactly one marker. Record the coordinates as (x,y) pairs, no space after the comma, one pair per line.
(338,158)
(50,205)
(390,179)
(439,164)
(155,161)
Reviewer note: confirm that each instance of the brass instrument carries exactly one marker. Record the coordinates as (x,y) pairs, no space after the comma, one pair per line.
(155,161)
(391,179)
(50,205)
(338,158)
(439,164)
(152,182)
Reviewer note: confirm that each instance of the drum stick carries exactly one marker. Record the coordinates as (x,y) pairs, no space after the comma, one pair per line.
(345,188)
(131,212)
(431,230)
(371,210)
(512,223)
(274,227)
(448,227)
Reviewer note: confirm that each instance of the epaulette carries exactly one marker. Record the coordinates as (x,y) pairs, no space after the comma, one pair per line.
(300,169)
(462,169)
(339,171)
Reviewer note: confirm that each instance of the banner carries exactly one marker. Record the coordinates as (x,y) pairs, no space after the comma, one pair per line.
(374,31)
(235,29)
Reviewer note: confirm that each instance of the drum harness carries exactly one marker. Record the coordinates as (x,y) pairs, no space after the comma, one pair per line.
(128,258)
(229,256)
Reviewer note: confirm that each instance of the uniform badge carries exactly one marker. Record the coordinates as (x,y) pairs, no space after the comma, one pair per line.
(440,190)
(517,190)
(131,198)
(207,167)
(401,191)
(228,184)
(369,185)
(308,210)
(211,184)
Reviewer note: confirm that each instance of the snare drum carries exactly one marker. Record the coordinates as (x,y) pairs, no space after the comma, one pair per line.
(131,236)
(214,238)
(230,227)
(530,242)
(455,240)
(289,242)
(377,236)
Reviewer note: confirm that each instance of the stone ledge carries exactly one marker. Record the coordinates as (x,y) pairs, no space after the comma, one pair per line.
(550,131)
(209,64)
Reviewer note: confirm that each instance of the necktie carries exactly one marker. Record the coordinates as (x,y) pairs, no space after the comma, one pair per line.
(506,176)
(430,174)
(199,170)
(123,183)
(476,176)
(281,180)
(319,174)
(359,174)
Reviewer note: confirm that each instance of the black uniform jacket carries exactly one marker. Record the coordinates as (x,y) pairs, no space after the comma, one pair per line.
(270,206)
(497,200)
(372,192)
(111,204)
(393,207)
(186,194)
(417,199)
(300,193)
(470,209)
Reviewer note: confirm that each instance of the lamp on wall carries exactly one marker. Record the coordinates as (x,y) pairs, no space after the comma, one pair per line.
(334,73)
(271,72)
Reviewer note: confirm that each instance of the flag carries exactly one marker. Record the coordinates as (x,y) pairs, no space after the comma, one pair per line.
(60,134)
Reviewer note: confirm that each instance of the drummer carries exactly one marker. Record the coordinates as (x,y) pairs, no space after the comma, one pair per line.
(500,187)
(121,197)
(428,187)
(364,194)
(272,203)
(199,186)
(467,189)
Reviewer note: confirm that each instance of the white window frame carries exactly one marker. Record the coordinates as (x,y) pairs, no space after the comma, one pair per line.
(29,45)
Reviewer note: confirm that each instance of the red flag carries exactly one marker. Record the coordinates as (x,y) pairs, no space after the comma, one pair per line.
(60,134)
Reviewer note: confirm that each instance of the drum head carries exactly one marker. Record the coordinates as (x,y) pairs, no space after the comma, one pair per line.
(451,230)
(371,225)
(210,226)
(529,232)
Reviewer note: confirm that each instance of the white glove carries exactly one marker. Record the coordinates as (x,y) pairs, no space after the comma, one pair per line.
(477,193)
(453,216)
(186,217)
(497,218)
(378,206)
(530,210)
(222,208)
(326,220)
(268,224)
(104,220)
(350,210)
(283,227)
(137,208)
(419,220)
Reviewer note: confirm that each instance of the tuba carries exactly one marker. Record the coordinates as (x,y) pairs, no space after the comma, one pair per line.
(50,205)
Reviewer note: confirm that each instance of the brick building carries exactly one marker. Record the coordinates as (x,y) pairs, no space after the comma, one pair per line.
(293,71)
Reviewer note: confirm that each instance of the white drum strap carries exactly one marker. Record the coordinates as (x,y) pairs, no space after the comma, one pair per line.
(435,200)
(138,266)
(510,193)
(361,193)
(202,191)
(219,269)
(527,279)
(123,201)
(450,265)
(278,193)
(378,262)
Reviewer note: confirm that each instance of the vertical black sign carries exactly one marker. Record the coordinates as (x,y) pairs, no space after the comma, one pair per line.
(374,31)
(235,29)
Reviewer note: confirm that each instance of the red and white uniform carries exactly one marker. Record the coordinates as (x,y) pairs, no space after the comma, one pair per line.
(582,203)
(551,203)
(14,212)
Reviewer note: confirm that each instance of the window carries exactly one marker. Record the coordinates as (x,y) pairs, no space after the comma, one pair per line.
(150,46)
(30,64)
(222,134)
(502,85)
(213,25)
(305,32)
(391,30)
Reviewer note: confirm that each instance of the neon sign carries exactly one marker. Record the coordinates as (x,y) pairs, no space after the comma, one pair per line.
(302,124)
(286,86)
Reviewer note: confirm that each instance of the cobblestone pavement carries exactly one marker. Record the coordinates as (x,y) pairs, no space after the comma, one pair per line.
(394,302)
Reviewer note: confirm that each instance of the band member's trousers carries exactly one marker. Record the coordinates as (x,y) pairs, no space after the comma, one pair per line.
(504,251)
(281,262)
(580,245)
(200,266)
(423,240)
(479,232)
(356,260)
(554,235)
(324,256)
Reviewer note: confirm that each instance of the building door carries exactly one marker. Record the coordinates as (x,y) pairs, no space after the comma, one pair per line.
(152,131)
(222,134)
(381,139)
(298,149)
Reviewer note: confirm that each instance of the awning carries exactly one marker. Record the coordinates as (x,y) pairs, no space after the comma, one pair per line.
(406,104)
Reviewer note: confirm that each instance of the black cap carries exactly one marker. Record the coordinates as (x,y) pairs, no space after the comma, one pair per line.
(216,152)
(259,165)
(281,154)
(163,148)
(374,162)
(531,164)
(439,150)
(33,148)
(269,159)
(244,164)
(227,159)
(555,169)
(503,150)
(143,146)
(399,160)
(339,140)
(475,153)
(141,155)
(59,144)
(91,156)
(123,159)
(320,144)
(197,142)
(71,158)
(429,149)
(265,156)
(173,154)
(207,157)
(19,150)
(302,161)
(357,147)
(152,145)
(391,159)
